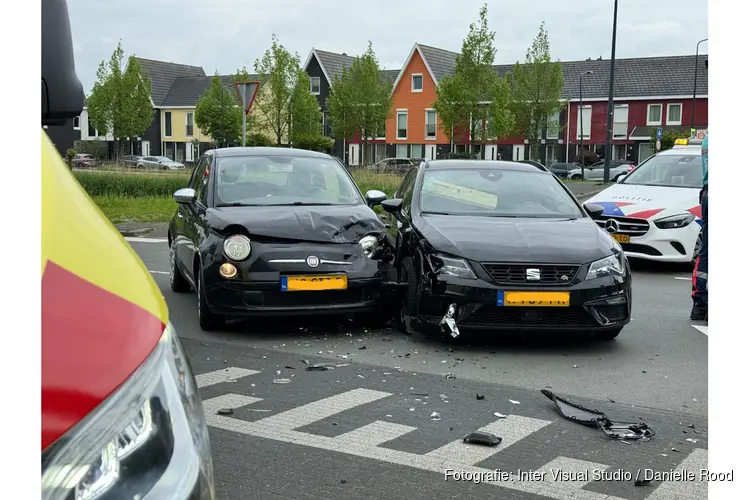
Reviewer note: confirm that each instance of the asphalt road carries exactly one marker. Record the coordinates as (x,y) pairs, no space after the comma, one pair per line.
(368,432)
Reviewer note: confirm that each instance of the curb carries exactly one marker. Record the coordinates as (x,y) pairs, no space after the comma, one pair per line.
(135,232)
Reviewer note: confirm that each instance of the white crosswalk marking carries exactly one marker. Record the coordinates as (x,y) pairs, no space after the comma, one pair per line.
(564,472)
(685,490)
(702,329)
(512,429)
(374,434)
(224,375)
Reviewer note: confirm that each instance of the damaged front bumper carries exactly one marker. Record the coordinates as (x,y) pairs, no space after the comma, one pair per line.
(454,304)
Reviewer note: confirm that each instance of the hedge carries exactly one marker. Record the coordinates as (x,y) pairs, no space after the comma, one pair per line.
(130,185)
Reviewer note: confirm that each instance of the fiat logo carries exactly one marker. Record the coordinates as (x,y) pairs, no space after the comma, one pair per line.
(313,261)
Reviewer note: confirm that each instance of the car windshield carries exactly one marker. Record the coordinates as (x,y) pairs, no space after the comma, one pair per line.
(283,180)
(495,193)
(669,170)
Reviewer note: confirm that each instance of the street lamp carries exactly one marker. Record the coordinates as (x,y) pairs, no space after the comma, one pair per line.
(611,101)
(695,83)
(580,114)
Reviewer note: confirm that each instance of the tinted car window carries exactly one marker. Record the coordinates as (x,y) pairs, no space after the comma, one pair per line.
(201,191)
(671,170)
(284,180)
(495,193)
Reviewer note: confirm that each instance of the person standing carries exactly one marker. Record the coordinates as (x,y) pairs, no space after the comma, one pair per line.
(700,274)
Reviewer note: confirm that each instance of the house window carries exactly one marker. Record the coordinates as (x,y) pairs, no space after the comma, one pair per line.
(674,114)
(380,134)
(416,83)
(620,127)
(585,122)
(654,114)
(401,122)
(553,126)
(92,130)
(189,124)
(77,123)
(476,129)
(402,151)
(430,124)
(315,85)
(416,151)
(619,152)
(327,125)
(167,124)
(551,154)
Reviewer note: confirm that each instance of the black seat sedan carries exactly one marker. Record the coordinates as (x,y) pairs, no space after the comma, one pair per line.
(271,231)
(503,246)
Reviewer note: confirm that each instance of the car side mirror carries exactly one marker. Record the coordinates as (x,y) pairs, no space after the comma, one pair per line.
(375,197)
(594,210)
(184,196)
(393,206)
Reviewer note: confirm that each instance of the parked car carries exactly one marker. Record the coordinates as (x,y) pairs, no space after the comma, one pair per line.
(84,160)
(563,170)
(595,171)
(497,245)
(132,160)
(278,232)
(395,164)
(161,162)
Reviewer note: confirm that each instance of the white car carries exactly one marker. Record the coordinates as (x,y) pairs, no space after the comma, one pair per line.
(654,211)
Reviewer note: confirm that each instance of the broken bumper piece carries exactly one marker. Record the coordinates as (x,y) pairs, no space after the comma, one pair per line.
(449,323)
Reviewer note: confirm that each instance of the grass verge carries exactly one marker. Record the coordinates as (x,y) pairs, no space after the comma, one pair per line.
(129,209)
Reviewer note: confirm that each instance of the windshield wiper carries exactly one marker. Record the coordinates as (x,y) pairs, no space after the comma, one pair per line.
(237,204)
(437,213)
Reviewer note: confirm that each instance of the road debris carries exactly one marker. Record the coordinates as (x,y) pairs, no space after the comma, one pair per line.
(513,401)
(483,438)
(500,415)
(675,450)
(363,348)
(690,440)
(318,368)
(449,323)
(595,418)
(448,375)
(290,368)
(281,380)
(435,416)
(479,397)
(225,411)
(642,482)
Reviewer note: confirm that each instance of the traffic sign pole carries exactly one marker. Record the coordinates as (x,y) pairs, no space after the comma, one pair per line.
(246,92)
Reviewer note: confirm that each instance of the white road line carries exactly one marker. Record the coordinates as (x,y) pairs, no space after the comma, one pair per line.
(135,239)
(511,429)
(280,428)
(686,278)
(564,472)
(224,375)
(685,490)
(374,434)
(158,272)
(702,329)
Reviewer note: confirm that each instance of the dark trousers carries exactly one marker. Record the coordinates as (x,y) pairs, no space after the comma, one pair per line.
(700,274)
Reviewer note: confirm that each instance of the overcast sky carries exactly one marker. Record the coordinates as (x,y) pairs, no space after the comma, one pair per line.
(224,35)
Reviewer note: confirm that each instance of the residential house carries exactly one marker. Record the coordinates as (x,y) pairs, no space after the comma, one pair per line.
(648,93)
(63,136)
(322,67)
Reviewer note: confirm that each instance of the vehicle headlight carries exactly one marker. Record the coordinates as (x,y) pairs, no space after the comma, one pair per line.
(674,221)
(237,247)
(369,245)
(149,438)
(608,266)
(451,266)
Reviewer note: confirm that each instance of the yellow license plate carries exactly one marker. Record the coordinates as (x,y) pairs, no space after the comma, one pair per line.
(313,283)
(621,238)
(533,299)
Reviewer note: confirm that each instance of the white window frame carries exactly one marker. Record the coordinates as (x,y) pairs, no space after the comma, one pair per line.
(579,127)
(556,120)
(407,150)
(412,82)
(426,114)
(312,85)
(186,124)
(404,112)
(678,122)
(78,119)
(164,124)
(648,113)
(614,123)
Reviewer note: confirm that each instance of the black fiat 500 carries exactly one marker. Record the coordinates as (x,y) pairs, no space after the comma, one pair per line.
(504,246)
(269,231)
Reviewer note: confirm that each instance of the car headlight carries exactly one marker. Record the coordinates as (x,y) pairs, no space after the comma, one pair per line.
(369,245)
(675,221)
(148,439)
(237,247)
(451,266)
(608,266)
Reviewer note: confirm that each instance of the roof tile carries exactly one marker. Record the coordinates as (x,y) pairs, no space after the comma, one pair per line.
(162,74)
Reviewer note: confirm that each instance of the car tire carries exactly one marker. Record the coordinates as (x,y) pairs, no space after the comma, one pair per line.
(411,297)
(617,178)
(207,320)
(575,177)
(177,281)
(608,334)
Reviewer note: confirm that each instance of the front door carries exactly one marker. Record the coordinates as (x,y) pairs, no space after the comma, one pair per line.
(518,152)
(490,152)
(145,148)
(189,151)
(430,151)
(353,155)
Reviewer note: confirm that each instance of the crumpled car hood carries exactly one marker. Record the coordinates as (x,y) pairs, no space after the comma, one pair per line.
(323,224)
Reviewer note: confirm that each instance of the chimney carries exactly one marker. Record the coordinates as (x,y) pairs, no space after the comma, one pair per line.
(344,54)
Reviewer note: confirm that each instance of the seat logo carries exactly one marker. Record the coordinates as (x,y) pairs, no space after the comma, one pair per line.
(313,261)
(533,275)
(612,226)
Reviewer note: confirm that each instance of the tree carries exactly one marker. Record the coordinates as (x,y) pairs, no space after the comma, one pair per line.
(668,137)
(475,98)
(306,128)
(218,115)
(536,88)
(120,101)
(341,110)
(280,70)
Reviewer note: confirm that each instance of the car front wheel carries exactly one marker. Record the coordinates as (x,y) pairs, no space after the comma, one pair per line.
(177,281)
(207,320)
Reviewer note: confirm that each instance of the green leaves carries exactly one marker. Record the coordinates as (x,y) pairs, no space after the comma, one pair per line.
(307,119)
(218,115)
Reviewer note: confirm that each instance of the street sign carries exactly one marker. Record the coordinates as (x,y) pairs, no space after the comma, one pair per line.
(658,134)
(246,91)
(658,144)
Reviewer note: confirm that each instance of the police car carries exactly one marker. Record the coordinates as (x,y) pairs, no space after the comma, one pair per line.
(654,211)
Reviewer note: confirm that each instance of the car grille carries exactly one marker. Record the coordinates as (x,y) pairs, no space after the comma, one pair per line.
(628,225)
(514,274)
(522,317)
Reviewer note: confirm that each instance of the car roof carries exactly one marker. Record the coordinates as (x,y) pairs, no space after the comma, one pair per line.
(267,151)
(682,150)
(482,164)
